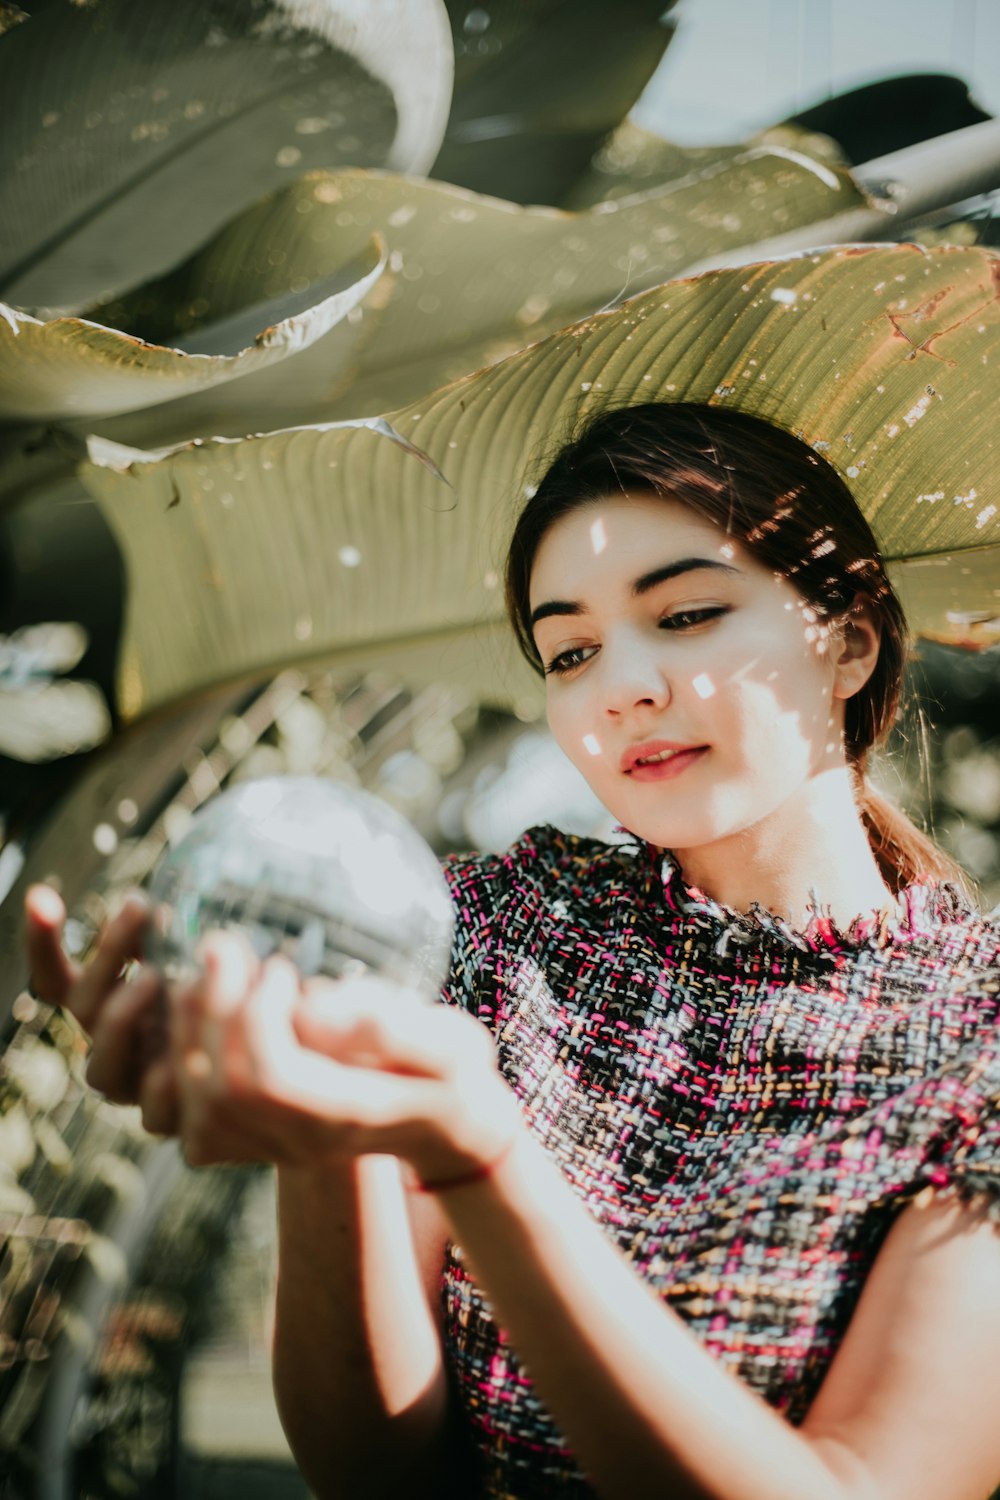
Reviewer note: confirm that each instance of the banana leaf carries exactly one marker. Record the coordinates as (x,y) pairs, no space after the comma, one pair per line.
(334,542)
(71,367)
(454,303)
(456,299)
(904,189)
(635,159)
(133,132)
(472,279)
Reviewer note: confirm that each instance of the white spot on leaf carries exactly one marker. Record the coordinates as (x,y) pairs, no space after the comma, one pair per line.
(105,839)
(918,410)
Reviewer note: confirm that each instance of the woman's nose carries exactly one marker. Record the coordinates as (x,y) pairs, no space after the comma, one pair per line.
(633,677)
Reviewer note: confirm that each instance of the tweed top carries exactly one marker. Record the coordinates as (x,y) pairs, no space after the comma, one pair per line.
(742,1106)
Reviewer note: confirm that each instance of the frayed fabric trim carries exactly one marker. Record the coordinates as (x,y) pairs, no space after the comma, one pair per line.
(977,1191)
(921,907)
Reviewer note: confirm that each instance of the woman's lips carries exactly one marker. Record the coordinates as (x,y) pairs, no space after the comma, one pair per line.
(665,770)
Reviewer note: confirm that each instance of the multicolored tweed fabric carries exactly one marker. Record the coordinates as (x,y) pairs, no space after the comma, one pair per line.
(742,1106)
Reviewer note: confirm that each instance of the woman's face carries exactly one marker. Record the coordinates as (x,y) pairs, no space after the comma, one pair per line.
(694,689)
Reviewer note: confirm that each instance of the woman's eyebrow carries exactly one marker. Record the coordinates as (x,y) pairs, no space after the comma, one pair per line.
(673,570)
(641,585)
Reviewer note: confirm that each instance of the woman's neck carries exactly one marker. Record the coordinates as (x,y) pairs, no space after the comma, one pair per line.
(812,849)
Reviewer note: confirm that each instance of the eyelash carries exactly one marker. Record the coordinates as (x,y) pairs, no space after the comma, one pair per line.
(693,616)
(564,662)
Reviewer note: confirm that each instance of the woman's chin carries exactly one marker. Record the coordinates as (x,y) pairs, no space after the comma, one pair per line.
(670,835)
(679,833)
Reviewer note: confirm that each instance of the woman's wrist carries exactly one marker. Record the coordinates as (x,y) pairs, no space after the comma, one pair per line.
(460,1179)
(338,1168)
(471,1143)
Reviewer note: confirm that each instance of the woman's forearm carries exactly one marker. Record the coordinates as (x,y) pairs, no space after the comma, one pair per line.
(358,1370)
(645,1408)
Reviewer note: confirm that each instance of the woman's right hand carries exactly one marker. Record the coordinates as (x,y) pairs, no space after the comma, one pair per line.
(130,1060)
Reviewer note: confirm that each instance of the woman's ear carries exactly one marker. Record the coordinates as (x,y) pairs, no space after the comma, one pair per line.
(854,647)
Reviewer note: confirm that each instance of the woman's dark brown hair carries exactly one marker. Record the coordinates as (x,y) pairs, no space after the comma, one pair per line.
(790,508)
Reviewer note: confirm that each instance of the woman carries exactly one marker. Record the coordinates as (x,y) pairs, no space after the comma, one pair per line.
(725,1192)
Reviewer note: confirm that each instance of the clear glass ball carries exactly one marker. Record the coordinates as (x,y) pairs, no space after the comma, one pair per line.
(325,874)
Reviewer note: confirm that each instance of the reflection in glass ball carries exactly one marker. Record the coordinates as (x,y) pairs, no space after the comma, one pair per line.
(325,874)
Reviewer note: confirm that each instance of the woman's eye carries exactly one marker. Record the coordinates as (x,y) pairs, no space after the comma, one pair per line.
(687,619)
(565,661)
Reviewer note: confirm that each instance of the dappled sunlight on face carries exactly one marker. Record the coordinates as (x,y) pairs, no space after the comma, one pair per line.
(692,687)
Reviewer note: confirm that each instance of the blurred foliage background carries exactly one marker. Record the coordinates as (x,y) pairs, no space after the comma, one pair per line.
(134,1310)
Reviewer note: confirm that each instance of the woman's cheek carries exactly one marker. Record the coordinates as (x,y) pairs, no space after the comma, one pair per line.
(570,715)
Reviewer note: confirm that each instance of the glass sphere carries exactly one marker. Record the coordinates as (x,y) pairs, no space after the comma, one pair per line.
(325,874)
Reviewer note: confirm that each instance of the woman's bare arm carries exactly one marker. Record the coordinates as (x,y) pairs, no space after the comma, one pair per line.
(358,1366)
(907,1411)
(910,1400)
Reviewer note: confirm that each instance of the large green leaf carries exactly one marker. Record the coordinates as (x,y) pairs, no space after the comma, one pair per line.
(245,555)
(636,160)
(904,187)
(72,367)
(132,131)
(462,264)
(473,278)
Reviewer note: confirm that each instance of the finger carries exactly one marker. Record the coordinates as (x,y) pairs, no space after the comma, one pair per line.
(374,987)
(121,940)
(158,1097)
(228,968)
(53,973)
(305,1081)
(365,1041)
(275,1056)
(153,1041)
(215,1110)
(417,1039)
(116,1059)
(235,1042)
(231,969)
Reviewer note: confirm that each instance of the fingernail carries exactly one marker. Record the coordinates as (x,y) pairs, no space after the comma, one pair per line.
(46,903)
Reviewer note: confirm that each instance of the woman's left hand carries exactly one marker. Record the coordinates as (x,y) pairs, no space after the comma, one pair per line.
(275,1068)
